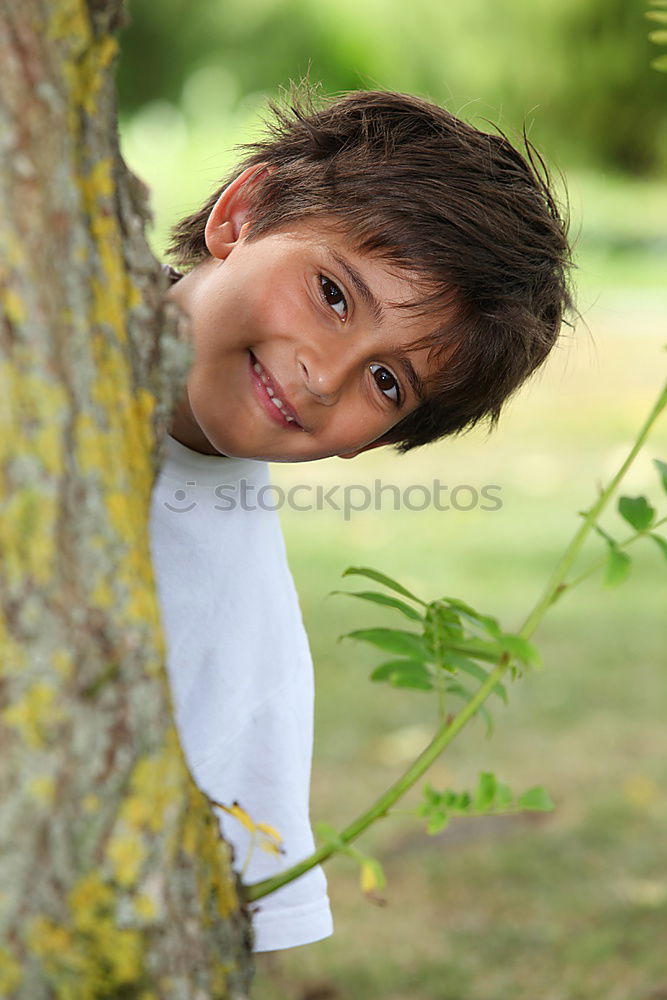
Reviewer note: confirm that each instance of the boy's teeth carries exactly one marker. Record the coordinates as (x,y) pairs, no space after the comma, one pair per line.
(271,392)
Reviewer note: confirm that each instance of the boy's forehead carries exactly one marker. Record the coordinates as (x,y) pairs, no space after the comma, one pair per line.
(380,280)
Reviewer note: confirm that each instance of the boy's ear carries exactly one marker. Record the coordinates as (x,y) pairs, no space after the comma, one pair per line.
(366,447)
(231,212)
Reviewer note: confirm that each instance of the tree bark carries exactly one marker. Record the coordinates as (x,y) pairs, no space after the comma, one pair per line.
(114,882)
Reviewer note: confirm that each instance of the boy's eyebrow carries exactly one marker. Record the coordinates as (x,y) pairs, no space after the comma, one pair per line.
(413,377)
(359,283)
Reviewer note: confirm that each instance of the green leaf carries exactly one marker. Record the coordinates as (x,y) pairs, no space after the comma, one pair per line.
(371,875)
(488,719)
(467,666)
(432,797)
(474,670)
(437,821)
(327,834)
(521,649)
(536,800)
(393,640)
(618,567)
(637,511)
(661,466)
(657,15)
(413,681)
(490,626)
(386,581)
(447,618)
(404,673)
(453,687)
(477,649)
(659,36)
(385,600)
(384,670)
(461,803)
(661,543)
(485,792)
(660,64)
(486,623)
(618,562)
(441,625)
(504,797)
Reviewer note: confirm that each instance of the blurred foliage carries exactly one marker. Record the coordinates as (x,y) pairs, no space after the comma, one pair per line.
(577,72)
(658,15)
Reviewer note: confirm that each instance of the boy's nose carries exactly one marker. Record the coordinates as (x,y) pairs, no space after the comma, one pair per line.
(324,374)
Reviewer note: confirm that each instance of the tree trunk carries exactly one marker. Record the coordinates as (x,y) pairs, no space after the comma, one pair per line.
(113,880)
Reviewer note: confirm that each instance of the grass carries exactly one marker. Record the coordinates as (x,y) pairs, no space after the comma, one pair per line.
(532,911)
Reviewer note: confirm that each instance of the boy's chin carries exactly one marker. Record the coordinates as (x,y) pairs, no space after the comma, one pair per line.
(190,433)
(283,458)
(333,454)
(364,448)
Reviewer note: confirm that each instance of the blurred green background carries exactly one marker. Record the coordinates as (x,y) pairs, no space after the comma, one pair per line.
(571,906)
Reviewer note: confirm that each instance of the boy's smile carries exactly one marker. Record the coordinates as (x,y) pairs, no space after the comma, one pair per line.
(301,347)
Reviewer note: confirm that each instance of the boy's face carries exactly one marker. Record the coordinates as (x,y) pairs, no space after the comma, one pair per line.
(300,349)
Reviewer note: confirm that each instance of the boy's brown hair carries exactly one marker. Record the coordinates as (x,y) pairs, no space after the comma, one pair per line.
(410,183)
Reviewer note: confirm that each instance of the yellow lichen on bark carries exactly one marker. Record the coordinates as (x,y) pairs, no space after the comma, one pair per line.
(37,406)
(62,661)
(145,907)
(30,517)
(201,839)
(88,59)
(13,657)
(13,305)
(113,294)
(126,852)
(157,787)
(124,479)
(34,715)
(92,71)
(92,957)
(70,22)
(42,788)
(10,973)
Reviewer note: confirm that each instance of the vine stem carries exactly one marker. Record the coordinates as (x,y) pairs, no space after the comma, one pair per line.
(441,740)
(599,563)
(449,730)
(554,586)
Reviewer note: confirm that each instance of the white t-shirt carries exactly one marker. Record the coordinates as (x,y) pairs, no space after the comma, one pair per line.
(240,670)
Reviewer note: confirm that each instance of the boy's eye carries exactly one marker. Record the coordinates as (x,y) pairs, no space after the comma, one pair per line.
(386,382)
(333,297)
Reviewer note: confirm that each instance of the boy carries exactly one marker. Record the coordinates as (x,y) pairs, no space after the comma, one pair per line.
(376,272)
